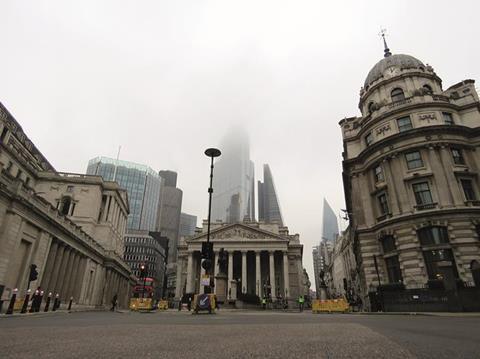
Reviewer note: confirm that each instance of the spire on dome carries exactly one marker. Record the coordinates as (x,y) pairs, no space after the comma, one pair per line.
(386,50)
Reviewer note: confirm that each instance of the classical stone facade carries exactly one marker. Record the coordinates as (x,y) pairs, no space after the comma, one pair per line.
(411,176)
(262,259)
(70,226)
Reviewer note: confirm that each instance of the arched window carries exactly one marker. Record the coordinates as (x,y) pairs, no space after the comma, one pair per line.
(65,205)
(428,88)
(397,95)
(371,107)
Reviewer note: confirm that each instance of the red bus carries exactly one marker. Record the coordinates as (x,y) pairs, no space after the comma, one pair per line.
(144,288)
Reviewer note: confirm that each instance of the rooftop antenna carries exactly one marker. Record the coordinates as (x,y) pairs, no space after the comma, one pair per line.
(386,50)
(116,164)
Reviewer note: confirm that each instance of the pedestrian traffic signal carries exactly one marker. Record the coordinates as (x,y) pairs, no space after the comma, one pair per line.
(207,250)
(33,273)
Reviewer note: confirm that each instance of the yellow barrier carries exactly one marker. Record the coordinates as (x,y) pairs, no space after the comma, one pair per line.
(141,304)
(330,305)
(18,305)
(163,304)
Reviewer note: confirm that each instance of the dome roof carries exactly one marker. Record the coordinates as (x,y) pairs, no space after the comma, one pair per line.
(399,60)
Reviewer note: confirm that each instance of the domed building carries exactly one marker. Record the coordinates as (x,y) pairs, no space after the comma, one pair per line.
(411,166)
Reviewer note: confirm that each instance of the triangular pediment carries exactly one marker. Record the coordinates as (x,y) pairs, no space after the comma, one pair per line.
(239,231)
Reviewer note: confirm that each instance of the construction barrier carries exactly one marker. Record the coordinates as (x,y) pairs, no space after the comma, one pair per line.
(330,305)
(204,302)
(141,304)
(18,305)
(163,304)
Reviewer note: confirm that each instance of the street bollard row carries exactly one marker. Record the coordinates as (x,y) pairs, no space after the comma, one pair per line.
(36,302)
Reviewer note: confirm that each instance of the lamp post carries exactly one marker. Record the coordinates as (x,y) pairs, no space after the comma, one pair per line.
(207,263)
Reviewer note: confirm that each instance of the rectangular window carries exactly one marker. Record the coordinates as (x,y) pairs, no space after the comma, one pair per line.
(414,160)
(422,193)
(383,203)
(393,269)
(432,235)
(404,124)
(468,190)
(388,244)
(434,258)
(448,118)
(457,156)
(369,139)
(378,172)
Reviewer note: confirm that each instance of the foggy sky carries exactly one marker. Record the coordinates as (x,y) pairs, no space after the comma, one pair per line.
(167,79)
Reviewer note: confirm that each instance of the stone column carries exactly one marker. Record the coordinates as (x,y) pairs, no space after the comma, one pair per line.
(68,276)
(49,265)
(73,277)
(258,275)
(230,272)
(272,274)
(82,267)
(190,272)
(178,288)
(244,273)
(300,276)
(447,163)
(56,269)
(216,268)
(62,277)
(286,275)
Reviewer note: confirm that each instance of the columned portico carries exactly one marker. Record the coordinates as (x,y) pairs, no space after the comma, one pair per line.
(257,262)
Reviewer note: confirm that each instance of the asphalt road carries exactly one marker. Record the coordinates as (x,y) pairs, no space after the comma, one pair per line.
(237,335)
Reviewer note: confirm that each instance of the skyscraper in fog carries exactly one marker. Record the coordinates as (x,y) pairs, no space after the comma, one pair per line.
(188,223)
(234,181)
(142,184)
(330,223)
(268,204)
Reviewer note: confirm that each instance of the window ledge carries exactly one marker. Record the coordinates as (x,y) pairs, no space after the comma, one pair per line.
(417,175)
(422,207)
(384,217)
(472,203)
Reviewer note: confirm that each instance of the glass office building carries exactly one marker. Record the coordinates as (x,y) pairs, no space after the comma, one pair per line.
(142,184)
(268,204)
(330,224)
(233,197)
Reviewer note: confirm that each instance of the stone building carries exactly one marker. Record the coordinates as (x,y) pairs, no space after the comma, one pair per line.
(262,259)
(71,226)
(411,165)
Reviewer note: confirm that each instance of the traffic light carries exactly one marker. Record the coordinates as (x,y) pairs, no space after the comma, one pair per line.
(207,250)
(33,273)
(207,264)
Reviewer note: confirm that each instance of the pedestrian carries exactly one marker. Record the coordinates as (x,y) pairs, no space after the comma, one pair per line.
(114,302)
(189,304)
(301,300)
(264,303)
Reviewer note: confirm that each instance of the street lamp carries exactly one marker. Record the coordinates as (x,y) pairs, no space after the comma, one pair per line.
(207,263)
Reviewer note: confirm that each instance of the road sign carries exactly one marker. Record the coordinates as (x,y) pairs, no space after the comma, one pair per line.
(205,280)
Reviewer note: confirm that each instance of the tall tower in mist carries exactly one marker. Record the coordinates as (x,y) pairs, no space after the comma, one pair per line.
(268,204)
(330,223)
(234,180)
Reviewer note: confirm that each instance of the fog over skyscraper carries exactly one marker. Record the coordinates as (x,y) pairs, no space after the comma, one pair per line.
(268,204)
(234,180)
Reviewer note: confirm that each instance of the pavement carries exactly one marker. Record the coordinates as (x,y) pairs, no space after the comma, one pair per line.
(238,334)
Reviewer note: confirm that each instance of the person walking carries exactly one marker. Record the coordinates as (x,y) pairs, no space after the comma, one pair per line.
(301,301)
(114,303)
(264,303)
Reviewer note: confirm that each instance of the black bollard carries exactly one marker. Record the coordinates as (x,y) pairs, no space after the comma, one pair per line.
(12,302)
(34,301)
(25,302)
(47,304)
(70,303)
(39,302)
(56,304)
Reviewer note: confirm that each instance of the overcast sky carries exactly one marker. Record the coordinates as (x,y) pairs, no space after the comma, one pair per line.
(166,79)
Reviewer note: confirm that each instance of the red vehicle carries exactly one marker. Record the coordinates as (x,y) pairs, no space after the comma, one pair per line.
(144,288)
